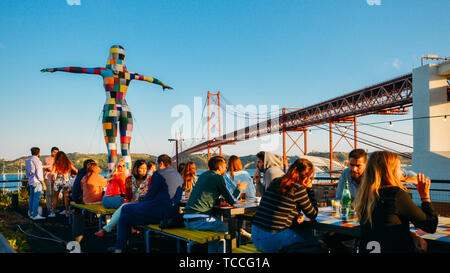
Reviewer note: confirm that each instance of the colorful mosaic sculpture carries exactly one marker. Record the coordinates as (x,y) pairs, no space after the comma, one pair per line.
(116,79)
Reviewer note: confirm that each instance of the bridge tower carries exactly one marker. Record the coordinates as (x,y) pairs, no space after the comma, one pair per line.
(431,109)
(214,123)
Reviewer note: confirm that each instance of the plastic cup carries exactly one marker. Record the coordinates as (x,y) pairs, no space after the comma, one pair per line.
(336,207)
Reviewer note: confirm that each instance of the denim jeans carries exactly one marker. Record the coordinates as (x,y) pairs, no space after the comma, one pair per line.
(272,241)
(112,202)
(209,223)
(114,218)
(35,197)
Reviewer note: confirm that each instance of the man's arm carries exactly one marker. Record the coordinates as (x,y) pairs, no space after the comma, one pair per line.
(40,173)
(155,186)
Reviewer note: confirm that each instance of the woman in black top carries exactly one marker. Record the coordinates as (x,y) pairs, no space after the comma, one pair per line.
(275,225)
(385,209)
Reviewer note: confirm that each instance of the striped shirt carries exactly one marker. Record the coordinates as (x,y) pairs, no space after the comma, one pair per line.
(278,211)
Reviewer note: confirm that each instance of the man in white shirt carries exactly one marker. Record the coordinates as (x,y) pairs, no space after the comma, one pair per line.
(36,183)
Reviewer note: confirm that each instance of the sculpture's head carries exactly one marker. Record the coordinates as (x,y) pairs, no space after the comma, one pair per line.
(116,59)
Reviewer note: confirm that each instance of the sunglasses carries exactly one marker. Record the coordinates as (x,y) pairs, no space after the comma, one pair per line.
(121,166)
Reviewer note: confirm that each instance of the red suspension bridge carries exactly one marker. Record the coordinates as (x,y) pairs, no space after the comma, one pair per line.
(338,116)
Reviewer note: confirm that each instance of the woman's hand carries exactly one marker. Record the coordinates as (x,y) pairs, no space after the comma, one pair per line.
(242,185)
(419,243)
(423,187)
(307,182)
(257,177)
(300,218)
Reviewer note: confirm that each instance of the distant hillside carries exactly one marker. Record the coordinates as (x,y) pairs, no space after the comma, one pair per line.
(200,160)
(77,159)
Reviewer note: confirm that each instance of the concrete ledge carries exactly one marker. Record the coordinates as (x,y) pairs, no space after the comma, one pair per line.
(444,69)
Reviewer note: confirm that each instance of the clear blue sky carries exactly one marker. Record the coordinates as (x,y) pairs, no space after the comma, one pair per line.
(288,53)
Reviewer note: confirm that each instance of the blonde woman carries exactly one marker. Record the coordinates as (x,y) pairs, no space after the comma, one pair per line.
(115,192)
(137,183)
(385,209)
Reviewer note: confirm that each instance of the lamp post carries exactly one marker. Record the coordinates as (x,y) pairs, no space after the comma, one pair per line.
(176,147)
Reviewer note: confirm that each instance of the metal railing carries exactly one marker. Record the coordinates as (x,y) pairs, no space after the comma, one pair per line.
(23,185)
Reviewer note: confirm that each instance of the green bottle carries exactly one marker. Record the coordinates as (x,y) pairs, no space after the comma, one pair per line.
(346,200)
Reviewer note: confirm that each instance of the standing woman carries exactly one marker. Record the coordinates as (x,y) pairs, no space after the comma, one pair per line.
(62,168)
(385,209)
(189,176)
(115,192)
(137,185)
(278,222)
(235,174)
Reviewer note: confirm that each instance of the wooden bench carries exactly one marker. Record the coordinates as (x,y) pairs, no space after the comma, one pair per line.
(190,236)
(97,209)
(248,248)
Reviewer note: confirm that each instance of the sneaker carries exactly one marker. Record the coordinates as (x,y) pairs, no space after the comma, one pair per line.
(63,212)
(52,215)
(38,217)
(100,233)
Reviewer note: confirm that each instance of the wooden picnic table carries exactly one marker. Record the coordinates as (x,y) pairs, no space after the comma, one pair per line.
(240,207)
(328,221)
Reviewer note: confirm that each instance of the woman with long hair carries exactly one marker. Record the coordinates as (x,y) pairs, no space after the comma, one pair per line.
(137,185)
(62,168)
(278,222)
(385,209)
(235,175)
(189,176)
(92,184)
(115,192)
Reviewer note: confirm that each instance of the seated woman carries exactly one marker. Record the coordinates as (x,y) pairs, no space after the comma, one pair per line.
(235,174)
(137,186)
(385,209)
(92,184)
(115,192)
(278,222)
(189,176)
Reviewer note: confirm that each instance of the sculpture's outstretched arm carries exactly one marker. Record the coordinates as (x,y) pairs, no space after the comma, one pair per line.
(148,79)
(75,69)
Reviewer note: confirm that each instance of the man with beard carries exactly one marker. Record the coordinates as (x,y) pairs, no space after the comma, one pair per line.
(271,165)
(353,174)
